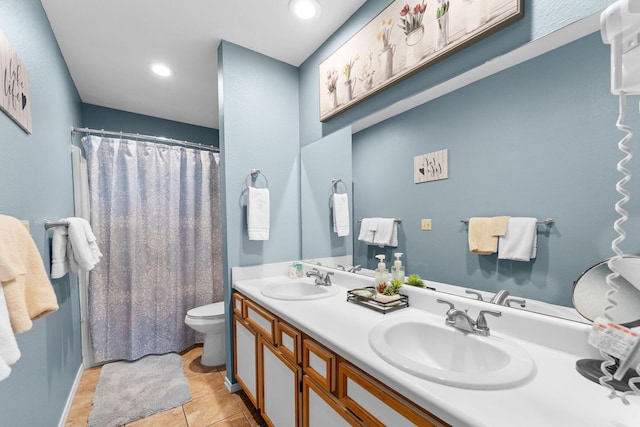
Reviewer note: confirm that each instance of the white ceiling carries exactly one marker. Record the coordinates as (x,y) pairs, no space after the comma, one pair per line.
(108,46)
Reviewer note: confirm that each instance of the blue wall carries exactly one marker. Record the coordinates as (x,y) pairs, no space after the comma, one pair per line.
(259,129)
(541,17)
(35,171)
(323,161)
(96,117)
(536,140)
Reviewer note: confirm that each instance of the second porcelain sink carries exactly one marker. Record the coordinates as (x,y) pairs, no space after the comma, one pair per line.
(448,356)
(299,289)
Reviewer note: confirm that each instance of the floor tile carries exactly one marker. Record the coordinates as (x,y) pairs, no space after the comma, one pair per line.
(202,384)
(250,412)
(210,408)
(171,418)
(238,420)
(191,362)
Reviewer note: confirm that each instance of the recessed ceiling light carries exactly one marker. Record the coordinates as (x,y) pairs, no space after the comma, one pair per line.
(161,70)
(304,9)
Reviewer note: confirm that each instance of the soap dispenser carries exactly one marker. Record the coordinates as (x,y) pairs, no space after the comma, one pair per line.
(397,271)
(381,274)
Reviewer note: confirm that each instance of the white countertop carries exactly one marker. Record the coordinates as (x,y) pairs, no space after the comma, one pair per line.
(556,396)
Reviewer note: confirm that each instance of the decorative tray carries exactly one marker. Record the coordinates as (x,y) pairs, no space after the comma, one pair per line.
(366,298)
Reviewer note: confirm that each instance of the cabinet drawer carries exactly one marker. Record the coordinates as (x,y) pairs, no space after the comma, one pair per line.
(289,341)
(263,321)
(322,409)
(238,303)
(376,404)
(319,363)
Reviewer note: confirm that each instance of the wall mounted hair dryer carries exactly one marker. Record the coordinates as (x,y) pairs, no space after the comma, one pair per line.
(620,27)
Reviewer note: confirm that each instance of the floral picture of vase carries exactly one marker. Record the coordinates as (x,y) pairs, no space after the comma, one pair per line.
(404,39)
(442,24)
(331,84)
(366,75)
(349,84)
(411,25)
(385,57)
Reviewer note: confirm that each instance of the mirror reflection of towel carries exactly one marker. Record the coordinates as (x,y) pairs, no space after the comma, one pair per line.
(386,233)
(341,214)
(521,240)
(258,213)
(368,227)
(484,232)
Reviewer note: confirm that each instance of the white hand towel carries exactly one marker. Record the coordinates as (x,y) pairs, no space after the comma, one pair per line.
(368,228)
(82,250)
(59,262)
(521,240)
(9,351)
(387,232)
(341,223)
(258,213)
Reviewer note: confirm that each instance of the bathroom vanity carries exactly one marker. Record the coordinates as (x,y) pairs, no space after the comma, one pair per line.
(312,360)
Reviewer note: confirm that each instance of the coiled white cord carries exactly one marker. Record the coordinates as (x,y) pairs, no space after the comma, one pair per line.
(615,246)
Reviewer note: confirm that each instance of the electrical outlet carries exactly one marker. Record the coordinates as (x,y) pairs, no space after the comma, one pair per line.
(426,224)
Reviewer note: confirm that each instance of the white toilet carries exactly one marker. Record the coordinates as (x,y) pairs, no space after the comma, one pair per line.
(209,319)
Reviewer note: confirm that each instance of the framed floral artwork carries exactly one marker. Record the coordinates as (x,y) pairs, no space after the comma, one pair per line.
(403,39)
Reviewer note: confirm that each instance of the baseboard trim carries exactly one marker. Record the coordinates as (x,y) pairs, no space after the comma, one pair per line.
(233,388)
(72,394)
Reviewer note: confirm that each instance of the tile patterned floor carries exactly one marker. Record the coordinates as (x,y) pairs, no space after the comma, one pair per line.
(211,404)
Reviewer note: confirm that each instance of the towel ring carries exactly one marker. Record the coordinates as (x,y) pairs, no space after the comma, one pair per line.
(254,176)
(335,182)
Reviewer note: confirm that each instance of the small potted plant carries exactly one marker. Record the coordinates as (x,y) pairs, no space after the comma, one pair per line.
(415,280)
(387,292)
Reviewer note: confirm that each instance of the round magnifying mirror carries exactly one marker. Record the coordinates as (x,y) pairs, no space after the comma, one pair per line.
(590,291)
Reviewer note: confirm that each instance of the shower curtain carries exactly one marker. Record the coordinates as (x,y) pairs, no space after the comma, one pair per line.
(155,211)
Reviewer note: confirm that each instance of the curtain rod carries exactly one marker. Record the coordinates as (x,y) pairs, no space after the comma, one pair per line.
(147,137)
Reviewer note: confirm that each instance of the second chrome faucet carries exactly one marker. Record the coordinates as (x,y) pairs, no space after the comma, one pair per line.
(320,279)
(459,319)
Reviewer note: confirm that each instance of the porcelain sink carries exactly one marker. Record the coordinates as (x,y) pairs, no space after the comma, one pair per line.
(298,290)
(443,354)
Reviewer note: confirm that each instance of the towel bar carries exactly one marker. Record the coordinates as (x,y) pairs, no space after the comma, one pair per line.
(399,221)
(549,222)
(51,224)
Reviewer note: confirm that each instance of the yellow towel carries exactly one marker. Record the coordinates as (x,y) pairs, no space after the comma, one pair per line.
(484,232)
(27,290)
(499,225)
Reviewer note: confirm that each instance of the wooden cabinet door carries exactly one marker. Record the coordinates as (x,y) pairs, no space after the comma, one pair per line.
(246,358)
(321,409)
(279,386)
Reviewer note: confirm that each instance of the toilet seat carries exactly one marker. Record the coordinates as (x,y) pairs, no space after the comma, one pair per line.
(209,311)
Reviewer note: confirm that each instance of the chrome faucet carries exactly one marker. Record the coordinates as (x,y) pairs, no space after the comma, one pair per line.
(355,268)
(499,297)
(320,279)
(502,298)
(459,319)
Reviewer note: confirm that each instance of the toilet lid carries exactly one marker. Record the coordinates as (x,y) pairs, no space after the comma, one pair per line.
(210,310)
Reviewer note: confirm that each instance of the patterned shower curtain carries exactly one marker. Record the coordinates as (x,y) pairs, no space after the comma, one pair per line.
(155,211)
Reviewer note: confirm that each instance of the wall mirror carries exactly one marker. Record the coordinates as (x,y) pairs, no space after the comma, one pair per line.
(322,164)
(314,247)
